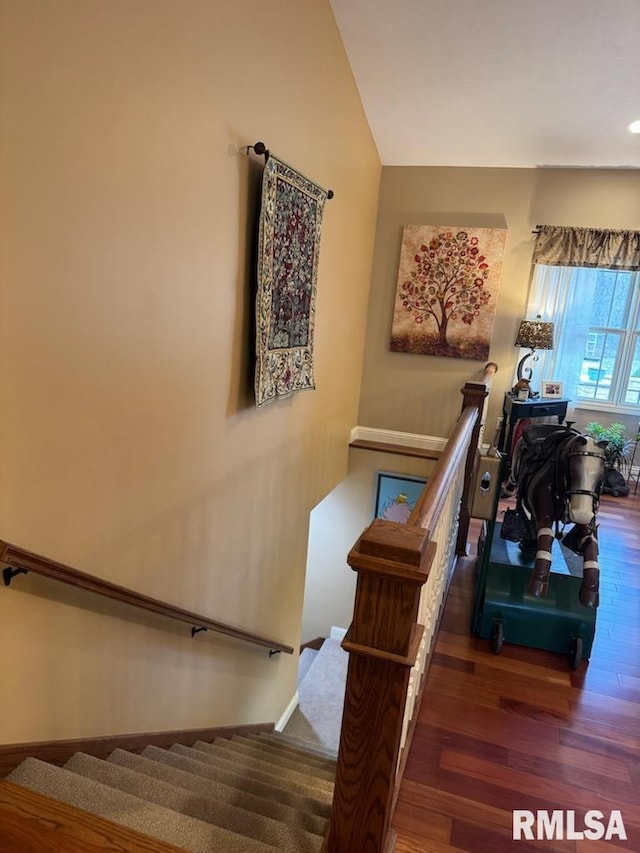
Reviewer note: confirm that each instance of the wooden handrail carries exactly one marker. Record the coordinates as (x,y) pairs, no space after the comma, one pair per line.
(490,370)
(429,504)
(404,572)
(19,561)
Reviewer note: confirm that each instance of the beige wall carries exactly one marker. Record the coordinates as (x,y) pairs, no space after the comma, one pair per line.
(129,444)
(335,525)
(419,394)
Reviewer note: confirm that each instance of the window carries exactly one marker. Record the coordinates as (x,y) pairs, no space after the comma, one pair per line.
(610,368)
(590,350)
(597,331)
(588,282)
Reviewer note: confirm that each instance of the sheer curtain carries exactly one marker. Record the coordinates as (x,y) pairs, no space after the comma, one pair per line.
(563,295)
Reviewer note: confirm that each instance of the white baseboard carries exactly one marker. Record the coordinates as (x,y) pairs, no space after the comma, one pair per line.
(405,439)
(284,719)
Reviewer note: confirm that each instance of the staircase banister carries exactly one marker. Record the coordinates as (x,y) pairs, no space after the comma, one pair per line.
(403,576)
(430,502)
(474,398)
(383,642)
(490,369)
(18,559)
(391,572)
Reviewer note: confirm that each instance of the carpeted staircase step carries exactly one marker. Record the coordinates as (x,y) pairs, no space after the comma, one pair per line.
(217,790)
(189,833)
(273,757)
(287,739)
(241,778)
(239,795)
(307,657)
(301,758)
(318,717)
(219,812)
(262,770)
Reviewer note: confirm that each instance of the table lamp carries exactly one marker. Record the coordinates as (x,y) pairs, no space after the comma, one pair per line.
(534,334)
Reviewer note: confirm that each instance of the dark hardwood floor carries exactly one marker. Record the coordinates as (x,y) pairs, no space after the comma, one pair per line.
(521,730)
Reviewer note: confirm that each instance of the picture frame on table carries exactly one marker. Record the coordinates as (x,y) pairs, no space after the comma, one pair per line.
(551,388)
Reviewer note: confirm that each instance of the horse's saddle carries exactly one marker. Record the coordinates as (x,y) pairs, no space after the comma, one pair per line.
(540,442)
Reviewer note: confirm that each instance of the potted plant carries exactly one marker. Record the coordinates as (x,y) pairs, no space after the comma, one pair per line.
(616,455)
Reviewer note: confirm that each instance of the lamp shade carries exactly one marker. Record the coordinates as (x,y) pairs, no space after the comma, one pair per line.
(535,334)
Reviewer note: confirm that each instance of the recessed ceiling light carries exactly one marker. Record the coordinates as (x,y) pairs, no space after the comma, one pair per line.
(634,126)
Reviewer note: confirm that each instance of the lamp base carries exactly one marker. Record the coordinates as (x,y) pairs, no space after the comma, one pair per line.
(521,365)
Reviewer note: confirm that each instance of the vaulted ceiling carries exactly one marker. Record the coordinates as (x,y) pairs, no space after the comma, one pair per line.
(497,82)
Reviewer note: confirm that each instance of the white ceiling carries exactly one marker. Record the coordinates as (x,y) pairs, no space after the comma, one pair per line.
(497,82)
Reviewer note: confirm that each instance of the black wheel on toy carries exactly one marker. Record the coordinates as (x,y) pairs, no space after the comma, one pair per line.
(497,637)
(575,652)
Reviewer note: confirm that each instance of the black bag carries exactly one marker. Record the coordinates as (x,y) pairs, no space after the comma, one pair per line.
(515,526)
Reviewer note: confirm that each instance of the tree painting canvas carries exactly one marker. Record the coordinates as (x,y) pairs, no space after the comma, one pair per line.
(447,289)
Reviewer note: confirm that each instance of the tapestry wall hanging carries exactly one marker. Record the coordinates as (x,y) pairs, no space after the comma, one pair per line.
(288,249)
(447,290)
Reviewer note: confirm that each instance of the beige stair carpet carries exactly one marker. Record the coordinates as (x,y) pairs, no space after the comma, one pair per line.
(250,794)
(190,834)
(213,789)
(318,717)
(281,792)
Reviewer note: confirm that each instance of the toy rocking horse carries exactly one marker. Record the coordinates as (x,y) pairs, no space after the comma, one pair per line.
(557,476)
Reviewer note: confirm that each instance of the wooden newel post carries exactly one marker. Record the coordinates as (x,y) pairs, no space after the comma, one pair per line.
(392,561)
(473,395)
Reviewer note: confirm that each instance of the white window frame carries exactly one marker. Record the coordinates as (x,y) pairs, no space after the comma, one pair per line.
(551,303)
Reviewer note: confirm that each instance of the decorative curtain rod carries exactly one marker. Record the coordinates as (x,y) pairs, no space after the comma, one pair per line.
(262,151)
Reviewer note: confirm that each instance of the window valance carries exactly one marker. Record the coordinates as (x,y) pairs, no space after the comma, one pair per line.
(562,246)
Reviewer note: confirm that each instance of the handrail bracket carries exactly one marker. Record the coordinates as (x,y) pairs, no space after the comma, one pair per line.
(9,574)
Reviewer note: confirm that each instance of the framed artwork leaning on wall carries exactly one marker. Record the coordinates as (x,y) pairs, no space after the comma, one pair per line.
(396,495)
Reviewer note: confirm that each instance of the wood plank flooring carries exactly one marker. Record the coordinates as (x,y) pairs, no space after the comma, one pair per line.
(521,730)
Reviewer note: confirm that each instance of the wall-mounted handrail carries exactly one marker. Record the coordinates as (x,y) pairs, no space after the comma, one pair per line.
(19,561)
